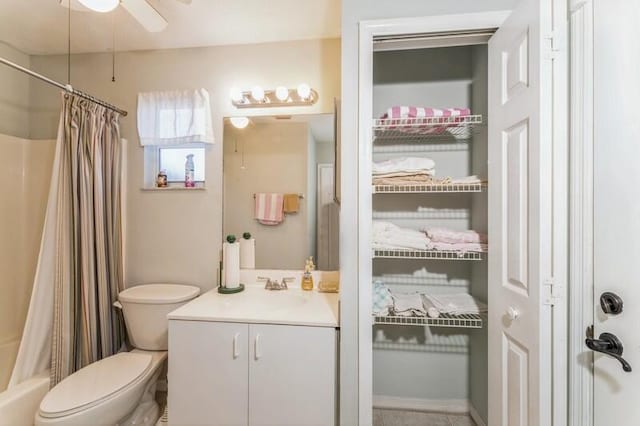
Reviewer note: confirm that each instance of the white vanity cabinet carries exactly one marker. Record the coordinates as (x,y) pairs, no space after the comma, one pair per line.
(223,373)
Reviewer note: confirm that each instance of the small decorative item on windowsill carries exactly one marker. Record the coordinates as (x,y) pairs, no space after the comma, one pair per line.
(161,181)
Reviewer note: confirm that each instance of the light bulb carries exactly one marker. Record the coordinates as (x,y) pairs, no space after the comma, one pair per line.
(236,94)
(304,91)
(257,93)
(100,5)
(282,93)
(239,122)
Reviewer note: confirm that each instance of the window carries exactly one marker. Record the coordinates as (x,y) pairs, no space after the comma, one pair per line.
(172,160)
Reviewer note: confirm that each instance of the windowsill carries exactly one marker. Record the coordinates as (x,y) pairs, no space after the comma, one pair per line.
(174,188)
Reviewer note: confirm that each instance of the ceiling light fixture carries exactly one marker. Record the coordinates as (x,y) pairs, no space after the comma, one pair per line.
(304,95)
(101,6)
(239,122)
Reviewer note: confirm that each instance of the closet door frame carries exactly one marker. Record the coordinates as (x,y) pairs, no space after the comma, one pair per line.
(368,30)
(581,176)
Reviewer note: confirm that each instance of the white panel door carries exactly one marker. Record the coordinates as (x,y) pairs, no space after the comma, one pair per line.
(208,373)
(520,232)
(616,197)
(292,375)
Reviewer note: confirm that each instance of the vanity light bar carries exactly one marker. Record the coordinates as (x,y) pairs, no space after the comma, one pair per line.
(271,98)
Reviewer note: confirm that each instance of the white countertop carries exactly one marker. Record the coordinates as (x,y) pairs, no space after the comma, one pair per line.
(257,305)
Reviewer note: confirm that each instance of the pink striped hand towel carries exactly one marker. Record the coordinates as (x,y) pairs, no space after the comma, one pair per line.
(419,112)
(269,208)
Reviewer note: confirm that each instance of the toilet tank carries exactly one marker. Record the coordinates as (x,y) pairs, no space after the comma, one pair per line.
(145,308)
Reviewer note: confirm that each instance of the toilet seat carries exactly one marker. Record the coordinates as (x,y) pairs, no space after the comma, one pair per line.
(94,384)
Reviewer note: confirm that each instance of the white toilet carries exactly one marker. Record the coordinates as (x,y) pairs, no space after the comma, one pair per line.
(120,389)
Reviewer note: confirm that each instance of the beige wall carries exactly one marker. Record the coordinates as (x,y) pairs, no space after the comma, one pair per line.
(14,94)
(25,170)
(176,236)
(276,159)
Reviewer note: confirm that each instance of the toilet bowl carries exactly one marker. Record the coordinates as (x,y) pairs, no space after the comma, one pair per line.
(120,389)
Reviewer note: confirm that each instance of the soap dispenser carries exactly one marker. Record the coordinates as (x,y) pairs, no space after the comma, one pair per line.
(307,278)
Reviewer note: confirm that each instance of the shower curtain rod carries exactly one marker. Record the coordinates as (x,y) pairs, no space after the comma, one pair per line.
(66,87)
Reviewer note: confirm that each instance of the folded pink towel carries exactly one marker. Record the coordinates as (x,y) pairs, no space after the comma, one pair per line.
(443,235)
(269,208)
(420,112)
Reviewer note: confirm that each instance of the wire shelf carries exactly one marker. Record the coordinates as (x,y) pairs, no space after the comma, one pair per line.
(386,129)
(429,188)
(427,254)
(444,320)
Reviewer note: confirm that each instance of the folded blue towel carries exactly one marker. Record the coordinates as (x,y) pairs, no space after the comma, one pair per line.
(381,299)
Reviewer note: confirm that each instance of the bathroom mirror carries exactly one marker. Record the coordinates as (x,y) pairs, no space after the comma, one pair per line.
(292,156)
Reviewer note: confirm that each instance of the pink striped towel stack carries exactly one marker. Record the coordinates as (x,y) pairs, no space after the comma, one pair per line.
(420,112)
(269,208)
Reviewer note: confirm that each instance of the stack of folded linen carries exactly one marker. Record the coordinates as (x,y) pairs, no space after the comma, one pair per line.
(462,241)
(455,304)
(412,169)
(408,305)
(420,112)
(402,115)
(389,236)
(466,180)
(382,302)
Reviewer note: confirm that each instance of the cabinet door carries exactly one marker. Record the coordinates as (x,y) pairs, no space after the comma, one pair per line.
(208,374)
(292,375)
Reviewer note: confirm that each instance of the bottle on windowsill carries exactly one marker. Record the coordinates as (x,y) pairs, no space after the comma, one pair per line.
(189,172)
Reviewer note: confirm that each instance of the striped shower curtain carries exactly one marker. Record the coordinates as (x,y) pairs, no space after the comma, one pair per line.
(88,262)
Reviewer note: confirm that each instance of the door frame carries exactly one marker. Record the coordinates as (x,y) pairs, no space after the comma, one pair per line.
(444,23)
(581,285)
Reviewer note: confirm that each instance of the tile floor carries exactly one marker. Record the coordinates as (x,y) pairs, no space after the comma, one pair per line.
(415,418)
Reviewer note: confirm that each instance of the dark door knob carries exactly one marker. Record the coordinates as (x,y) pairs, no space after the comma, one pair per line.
(611,303)
(609,344)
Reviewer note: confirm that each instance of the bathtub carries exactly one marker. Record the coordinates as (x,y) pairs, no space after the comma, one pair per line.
(18,405)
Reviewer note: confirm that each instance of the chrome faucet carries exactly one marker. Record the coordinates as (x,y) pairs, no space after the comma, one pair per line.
(274,284)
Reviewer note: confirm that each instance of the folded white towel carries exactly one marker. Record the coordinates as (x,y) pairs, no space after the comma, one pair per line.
(429,307)
(467,180)
(456,304)
(443,235)
(408,305)
(403,164)
(462,248)
(387,235)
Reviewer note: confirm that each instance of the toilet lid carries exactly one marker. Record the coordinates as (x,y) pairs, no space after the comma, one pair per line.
(158,294)
(93,383)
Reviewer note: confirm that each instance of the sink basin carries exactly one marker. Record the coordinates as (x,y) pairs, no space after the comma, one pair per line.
(257,305)
(268,300)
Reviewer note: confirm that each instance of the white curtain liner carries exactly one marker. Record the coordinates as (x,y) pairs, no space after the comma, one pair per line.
(34,353)
(174,117)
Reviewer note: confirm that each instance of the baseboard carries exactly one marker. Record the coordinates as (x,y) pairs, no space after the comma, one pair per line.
(445,406)
(475,416)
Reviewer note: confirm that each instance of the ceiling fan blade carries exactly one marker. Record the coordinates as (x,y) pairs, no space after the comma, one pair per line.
(144,13)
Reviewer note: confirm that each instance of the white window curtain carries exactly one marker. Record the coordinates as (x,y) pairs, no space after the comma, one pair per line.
(174,117)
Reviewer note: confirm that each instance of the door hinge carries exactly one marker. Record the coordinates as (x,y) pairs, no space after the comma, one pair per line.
(554,295)
(554,44)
